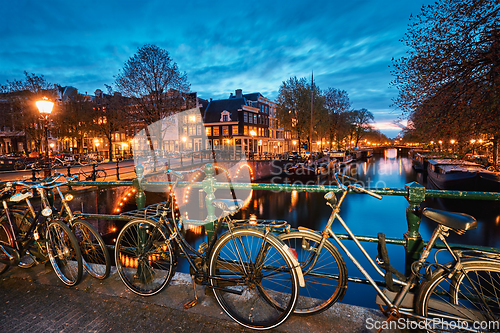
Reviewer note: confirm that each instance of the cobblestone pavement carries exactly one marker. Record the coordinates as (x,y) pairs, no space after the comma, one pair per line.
(35,300)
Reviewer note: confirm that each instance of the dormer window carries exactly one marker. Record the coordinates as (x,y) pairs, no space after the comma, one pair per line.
(225,116)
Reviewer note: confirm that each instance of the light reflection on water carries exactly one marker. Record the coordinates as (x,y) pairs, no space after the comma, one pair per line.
(368,216)
(364,214)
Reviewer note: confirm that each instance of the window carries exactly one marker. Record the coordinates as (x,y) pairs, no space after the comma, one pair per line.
(198,129)
(208,130)
(225,130)
(224,117)
(235,130)
(245,117)
(216,130)
(255,119)
(250,119)
(245,130)
(191,130)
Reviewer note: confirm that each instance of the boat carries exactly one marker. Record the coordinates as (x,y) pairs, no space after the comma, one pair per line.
(366,152)
(301,171)
(343,157)
(327,165)
(453,174)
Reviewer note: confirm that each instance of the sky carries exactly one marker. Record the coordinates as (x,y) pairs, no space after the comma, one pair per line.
(221,45)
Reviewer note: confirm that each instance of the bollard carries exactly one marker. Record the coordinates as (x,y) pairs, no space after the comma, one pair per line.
(93,171)
(140,197)
(208,187)
(414,244)
(117,170)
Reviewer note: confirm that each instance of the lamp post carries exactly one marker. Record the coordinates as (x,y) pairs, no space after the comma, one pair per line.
(253,134)
(45,108)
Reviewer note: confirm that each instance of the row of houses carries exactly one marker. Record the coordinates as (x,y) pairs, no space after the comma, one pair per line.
(248,121)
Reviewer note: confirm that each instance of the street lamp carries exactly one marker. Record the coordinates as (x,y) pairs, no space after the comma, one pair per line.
(45,108)
(253,134)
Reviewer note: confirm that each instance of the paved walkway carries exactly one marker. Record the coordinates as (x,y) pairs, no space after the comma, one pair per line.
(34,300)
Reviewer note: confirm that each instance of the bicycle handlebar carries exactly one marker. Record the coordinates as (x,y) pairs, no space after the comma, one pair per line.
(48,184)
(358,188)
(355,187)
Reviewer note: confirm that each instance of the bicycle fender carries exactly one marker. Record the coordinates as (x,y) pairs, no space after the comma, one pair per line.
(296,265)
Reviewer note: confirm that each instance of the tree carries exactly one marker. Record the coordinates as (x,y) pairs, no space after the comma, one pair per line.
(294,106)
(360,122)
(23,95)
(449,82)
(111,115)
(154,82)
(335,122)
(75,120)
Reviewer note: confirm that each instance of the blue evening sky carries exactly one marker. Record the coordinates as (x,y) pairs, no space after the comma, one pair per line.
(221,45)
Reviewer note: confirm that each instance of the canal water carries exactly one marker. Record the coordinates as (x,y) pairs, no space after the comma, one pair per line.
(365,215)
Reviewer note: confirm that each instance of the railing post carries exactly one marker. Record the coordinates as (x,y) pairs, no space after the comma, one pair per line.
(414,244)
(208,187)
(117,170)
(93,172)
(140,197)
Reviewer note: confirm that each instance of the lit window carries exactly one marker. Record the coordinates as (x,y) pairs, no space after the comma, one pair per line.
(208,130)
(235,130)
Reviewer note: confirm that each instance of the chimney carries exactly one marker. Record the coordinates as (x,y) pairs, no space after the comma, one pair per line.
(239,93)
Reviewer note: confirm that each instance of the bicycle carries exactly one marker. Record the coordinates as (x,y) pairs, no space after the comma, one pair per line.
(253,275)
(92,175)
(96,258)
(458,294)
(21,235)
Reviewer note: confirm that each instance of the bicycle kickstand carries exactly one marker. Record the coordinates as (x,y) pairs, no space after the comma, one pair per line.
(193,302)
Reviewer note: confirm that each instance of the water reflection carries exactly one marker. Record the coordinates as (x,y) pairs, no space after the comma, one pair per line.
(364,214)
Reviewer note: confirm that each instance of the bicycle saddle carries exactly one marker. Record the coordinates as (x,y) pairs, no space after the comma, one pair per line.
(457,221)
(228,205)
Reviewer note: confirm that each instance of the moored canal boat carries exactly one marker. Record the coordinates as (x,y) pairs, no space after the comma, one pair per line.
(343,157)
(453,174)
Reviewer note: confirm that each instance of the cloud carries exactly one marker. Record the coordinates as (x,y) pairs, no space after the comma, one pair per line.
(222,45)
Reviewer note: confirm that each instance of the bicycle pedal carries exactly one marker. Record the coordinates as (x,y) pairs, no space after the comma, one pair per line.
(203,247)
(190,304)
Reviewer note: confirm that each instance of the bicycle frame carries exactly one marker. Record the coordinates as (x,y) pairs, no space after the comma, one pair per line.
(396,303)
(31,236)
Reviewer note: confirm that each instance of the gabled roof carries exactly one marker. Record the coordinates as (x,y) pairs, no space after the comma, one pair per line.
(215,107)
(252,96)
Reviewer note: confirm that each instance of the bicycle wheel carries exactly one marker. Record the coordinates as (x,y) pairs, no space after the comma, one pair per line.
(326,281)
(253,278)
(23,224)
(100,174)
(64,253)
(5,239)
(144,258)
(468,300)
(19,165)
(96,259)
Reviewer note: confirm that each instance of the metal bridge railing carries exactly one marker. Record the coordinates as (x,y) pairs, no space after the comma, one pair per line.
(413,192)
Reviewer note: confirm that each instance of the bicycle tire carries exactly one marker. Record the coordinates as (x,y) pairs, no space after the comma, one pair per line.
(64,253)
(19,165)
(260,266)
(144,268)
(326,282)
(458,300)
(23,224)
(100,174)
(95,255)
(5,238)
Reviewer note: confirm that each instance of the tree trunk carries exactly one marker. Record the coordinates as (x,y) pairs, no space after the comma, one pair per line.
(496,140)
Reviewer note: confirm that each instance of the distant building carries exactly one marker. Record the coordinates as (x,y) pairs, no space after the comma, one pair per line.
(245,120)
